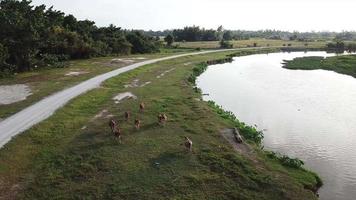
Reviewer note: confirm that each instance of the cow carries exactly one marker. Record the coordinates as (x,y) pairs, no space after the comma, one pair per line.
(137,124)
(127,115)
(188,144)
(142,107)
(117,133)
(112,124)
(162,119)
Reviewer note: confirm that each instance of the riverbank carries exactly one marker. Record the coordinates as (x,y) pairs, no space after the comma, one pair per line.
(73,155)
(345,64)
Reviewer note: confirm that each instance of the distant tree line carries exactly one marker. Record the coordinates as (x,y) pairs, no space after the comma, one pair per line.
(195,33)
(33,36)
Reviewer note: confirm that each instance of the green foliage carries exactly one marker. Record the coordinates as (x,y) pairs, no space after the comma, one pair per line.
(225,44)
(285,160)
(33,35)
(195,33)
(169,40)
(341,64)
(5,69)
(338,46)
(141,43)
(228,35)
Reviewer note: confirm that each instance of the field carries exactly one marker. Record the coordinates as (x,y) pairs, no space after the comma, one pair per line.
(73,155)
(250,43)
(44,82)
(340,64)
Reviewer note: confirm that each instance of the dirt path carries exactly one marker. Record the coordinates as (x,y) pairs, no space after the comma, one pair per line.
(43,109)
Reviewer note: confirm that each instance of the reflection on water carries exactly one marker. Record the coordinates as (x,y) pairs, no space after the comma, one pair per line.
(306,114)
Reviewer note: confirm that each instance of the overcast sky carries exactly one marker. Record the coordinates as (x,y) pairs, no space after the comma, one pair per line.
(300,15)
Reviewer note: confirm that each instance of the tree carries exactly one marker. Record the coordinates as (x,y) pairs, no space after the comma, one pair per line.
(141,43)
(225,44)
(33,36)
(220,32)
(21,26)
(5,68)
(169,40)
(228,35)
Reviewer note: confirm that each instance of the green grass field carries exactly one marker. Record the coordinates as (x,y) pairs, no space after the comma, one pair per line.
(73,155)
(340,64)
(45,82)
(250,43)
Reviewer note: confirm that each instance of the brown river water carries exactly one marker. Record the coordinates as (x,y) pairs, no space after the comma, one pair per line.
(306,114)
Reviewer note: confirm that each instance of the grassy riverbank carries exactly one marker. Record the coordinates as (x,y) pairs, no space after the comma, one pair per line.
(340,64)
(72,155)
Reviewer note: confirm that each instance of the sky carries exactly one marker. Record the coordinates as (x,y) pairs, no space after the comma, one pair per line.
(289,15)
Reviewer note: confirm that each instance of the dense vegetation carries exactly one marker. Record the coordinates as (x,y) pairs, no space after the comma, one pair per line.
(33,36)
(340,47)
(341,64)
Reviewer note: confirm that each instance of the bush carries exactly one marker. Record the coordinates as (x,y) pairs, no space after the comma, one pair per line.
(285,160)
(225,44)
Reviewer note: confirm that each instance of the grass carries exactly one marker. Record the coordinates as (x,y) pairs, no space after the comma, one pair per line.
(340,64)
(58,159)
(250,43)
(45,82)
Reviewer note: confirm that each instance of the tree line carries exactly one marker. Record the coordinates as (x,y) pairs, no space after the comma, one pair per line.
(195,33)
(34,36)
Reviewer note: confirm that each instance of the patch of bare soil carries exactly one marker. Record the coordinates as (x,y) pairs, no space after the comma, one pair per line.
(121,60)
(76,73)
(104,114)
(165,72)
(136,83)
(14,93)
(122,96)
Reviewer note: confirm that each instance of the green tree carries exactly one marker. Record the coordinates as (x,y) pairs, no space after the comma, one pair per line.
(225,44)
(228,35)
(141,43)
(169,40)
(20,31)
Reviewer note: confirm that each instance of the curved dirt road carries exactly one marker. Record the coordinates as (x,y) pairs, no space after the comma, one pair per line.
(43,109)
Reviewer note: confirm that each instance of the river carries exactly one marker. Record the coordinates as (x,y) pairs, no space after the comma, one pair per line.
(306,114)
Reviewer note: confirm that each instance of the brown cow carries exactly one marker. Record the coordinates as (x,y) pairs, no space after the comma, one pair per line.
(162,119)
(137,124)
(117,133)
(142,107)
(127,115)
(188,144)
(112,124)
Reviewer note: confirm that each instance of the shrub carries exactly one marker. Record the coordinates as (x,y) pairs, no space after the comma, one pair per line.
(225,44)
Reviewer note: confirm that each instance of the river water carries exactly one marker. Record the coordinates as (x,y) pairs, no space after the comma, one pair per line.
(306,114)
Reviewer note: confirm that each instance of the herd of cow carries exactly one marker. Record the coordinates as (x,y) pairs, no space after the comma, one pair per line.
(162,119)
